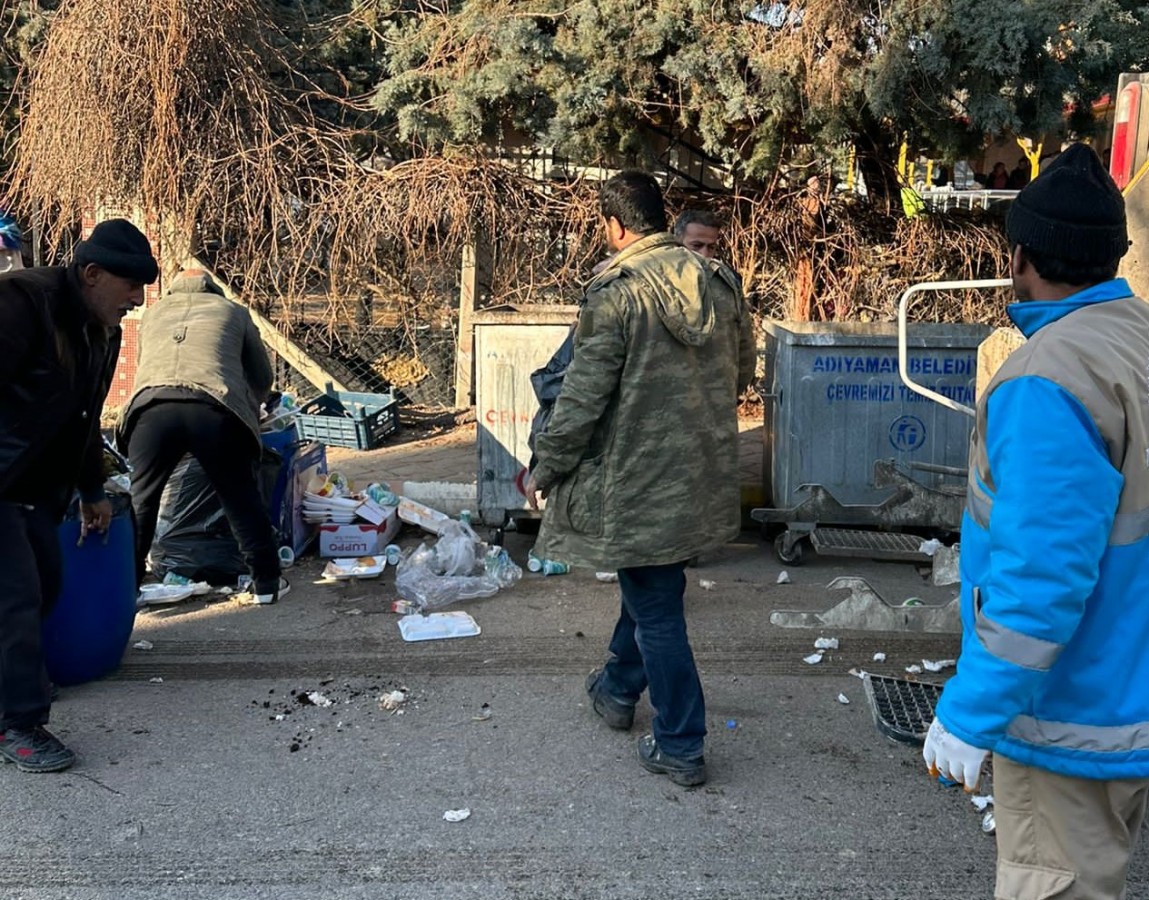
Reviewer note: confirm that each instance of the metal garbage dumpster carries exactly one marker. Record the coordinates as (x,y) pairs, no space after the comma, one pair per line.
(847,444)
(510,343)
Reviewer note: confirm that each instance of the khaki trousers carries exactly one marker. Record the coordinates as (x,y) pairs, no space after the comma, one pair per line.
(1061,837)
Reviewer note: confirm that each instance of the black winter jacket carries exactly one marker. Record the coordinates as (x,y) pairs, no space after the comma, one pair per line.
(56,365)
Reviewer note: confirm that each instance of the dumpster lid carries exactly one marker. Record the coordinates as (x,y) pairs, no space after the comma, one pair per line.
(528,314)
(919,335)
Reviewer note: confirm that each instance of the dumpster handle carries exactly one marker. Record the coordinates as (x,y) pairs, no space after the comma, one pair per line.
(903,303)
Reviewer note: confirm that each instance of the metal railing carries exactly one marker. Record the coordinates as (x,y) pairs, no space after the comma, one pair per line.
(903,355)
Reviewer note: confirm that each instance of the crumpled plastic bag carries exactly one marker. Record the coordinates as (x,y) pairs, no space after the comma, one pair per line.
(458,566)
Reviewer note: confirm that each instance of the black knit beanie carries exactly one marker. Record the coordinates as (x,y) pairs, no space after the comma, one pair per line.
(119,247)
(1071,211)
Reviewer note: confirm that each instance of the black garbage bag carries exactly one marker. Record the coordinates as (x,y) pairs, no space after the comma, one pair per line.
(193,537)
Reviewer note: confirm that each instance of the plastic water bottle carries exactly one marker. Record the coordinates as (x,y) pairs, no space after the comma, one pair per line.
(393,554)
(501,567)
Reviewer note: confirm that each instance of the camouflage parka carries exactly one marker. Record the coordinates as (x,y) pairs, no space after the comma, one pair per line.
(641,455)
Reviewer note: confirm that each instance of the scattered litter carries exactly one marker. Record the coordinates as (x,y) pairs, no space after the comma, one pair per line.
(280,717)
(607,577)
(164,594)
(706,585)
(457,815)
(731,724)
(824,643)
(914,670)
(393,700)
(947,563)
(404,607)
(813,659)
(843,699)
(858,673)
(546,566)
(319,699)
(981,802)
(459,566)
(485,712)
(989,823)
(438,625)
(879,657)
(932,665)
(783,577)
(354,611)
(360,567)
(914,601)
(143,645)
(929,548)
(156,680)
(423,516)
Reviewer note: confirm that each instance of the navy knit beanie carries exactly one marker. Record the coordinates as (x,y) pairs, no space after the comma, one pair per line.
(1071,211)
(120,248)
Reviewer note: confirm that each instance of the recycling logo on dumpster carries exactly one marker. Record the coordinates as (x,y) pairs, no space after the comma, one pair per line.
(907,433)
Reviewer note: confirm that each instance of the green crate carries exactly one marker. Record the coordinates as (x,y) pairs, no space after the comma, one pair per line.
(349,419)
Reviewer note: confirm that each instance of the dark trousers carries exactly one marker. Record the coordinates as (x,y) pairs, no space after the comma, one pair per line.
(162,435)
(650,648)
(30,581)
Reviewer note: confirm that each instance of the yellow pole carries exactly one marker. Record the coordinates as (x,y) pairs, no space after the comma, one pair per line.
(929,173)
(850,171)
(902,151)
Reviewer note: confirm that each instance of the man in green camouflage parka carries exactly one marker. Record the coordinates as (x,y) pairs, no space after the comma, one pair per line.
(639,464)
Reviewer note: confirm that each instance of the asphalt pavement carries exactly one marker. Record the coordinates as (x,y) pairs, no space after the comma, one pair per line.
(205,772)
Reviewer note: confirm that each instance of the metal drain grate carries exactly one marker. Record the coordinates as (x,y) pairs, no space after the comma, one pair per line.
(868,544)
(903,710)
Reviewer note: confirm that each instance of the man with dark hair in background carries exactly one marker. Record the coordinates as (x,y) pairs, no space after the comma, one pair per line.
(637,460)
(1055,555)
(699,230)
(59,342)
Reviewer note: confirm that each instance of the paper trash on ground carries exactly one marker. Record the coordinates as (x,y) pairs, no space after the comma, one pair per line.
(783,577)
(914,670)
(706,585)
(932,665)
(843,699)
(393,700)
(813,659)
(143,645)
(825,643)
(457,815)
(879,657)
(318,699)
(929,548)
(980,802)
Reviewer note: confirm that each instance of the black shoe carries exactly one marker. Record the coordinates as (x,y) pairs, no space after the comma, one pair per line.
(686,772)
(615,712)
(35,750)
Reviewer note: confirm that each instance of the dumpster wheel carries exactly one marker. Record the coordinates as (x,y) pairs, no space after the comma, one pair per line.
(789,547)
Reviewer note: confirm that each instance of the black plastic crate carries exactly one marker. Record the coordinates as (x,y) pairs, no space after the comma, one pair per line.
(349,419)
(903,709)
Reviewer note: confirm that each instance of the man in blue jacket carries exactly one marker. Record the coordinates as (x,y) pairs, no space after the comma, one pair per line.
(1054,672)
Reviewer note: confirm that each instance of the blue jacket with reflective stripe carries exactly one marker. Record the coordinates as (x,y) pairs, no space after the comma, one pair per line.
(1054,668)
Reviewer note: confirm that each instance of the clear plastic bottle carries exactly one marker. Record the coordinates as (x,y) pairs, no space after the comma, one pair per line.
(501,567)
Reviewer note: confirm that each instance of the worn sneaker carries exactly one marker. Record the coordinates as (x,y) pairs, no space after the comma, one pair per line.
(35,750)
(686,772)
(617,713)
(272,596)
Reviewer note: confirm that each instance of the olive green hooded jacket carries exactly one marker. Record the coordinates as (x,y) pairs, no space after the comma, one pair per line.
(640,458)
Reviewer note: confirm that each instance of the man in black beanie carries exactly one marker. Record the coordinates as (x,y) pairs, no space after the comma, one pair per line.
(1055,555)
(59,342)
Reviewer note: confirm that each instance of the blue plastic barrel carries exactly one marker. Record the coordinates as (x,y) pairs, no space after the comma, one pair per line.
(88,631)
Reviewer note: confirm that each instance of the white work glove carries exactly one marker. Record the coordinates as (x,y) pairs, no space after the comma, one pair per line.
(947,754)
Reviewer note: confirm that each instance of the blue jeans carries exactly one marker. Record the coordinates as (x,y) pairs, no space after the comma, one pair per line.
(650,648)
